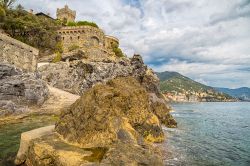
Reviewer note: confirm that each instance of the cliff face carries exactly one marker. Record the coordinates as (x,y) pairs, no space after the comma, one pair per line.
(79,75)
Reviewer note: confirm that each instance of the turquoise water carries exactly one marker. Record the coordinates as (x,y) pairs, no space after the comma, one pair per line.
(10,135)
(209,134)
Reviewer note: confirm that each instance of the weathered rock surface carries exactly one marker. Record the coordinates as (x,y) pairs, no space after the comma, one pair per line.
(51,150)
(78,76)
(26,141)
(111,124)
(105,113)
(121,110)
(18,90)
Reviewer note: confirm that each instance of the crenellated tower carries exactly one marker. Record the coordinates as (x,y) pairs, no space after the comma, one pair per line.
(66,14)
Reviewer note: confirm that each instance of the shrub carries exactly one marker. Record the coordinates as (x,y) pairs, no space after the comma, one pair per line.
(71,24)
(59,47)
(82,23)
(117,50)
(57,58)
(73,47)
(2,14)
(37,31)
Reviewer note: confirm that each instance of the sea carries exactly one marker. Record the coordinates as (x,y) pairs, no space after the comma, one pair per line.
(208,134)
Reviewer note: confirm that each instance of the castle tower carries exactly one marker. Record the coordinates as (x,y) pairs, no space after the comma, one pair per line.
(66,14)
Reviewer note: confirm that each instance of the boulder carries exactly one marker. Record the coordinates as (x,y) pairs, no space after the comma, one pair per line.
(50,150)
(119,109)
(20,89)
(113,123)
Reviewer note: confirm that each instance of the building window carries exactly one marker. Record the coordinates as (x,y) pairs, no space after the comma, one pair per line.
(63,38)
(70,38)
(78,37)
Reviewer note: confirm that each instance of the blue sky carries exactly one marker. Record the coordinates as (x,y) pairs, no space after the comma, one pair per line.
(206,40)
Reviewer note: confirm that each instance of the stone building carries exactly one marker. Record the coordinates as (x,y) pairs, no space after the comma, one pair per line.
(85,37)
(17,53)
(65,14)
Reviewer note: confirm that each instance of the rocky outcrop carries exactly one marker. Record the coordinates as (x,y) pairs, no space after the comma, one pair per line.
(80,75)
(49,149)
(111,124)
(105,112)
(18,90)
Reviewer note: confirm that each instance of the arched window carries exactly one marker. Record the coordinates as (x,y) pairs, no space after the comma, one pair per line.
(95,41)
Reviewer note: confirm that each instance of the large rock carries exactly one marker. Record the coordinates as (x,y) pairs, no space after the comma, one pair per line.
(18,89)
(105,112)
(50,150)
(80,75)
(111,124)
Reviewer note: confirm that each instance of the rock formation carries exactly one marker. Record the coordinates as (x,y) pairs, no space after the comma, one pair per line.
(18,90)
(105,112)
(111,124)
(80,75)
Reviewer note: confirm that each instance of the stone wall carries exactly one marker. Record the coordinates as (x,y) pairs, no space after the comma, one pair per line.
(17,53)
(109,40)
(85,37)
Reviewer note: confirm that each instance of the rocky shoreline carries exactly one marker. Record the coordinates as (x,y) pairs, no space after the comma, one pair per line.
(119,113)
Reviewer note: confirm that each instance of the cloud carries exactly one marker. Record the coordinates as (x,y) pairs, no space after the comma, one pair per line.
(205,40)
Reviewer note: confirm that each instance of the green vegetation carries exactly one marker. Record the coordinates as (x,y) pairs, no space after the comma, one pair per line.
(59,47)
(73,47)
(57,58)
(37,31)
(173,82)
(117,50)
(82,23)
(2,14)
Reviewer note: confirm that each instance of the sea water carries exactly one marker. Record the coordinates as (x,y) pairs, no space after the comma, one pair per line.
(209,134)
(10,135)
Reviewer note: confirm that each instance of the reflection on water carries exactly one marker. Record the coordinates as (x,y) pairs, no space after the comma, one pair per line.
(209,134)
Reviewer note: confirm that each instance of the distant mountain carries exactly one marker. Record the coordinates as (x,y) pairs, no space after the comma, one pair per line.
(240,93)
(177,87)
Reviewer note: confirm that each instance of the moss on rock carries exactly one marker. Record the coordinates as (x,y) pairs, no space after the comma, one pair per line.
(117,110)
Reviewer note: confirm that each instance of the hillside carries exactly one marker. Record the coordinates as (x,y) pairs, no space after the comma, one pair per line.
(240,93)
(177,87)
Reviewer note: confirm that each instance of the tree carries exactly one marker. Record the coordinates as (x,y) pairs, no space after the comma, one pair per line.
(7,3)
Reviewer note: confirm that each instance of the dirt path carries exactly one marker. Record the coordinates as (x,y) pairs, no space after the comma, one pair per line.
(58,99)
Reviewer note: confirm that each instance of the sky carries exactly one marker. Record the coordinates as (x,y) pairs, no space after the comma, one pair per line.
(206,40)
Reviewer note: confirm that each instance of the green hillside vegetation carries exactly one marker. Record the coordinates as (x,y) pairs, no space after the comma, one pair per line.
(82,23)
(37,31)
(173,82)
